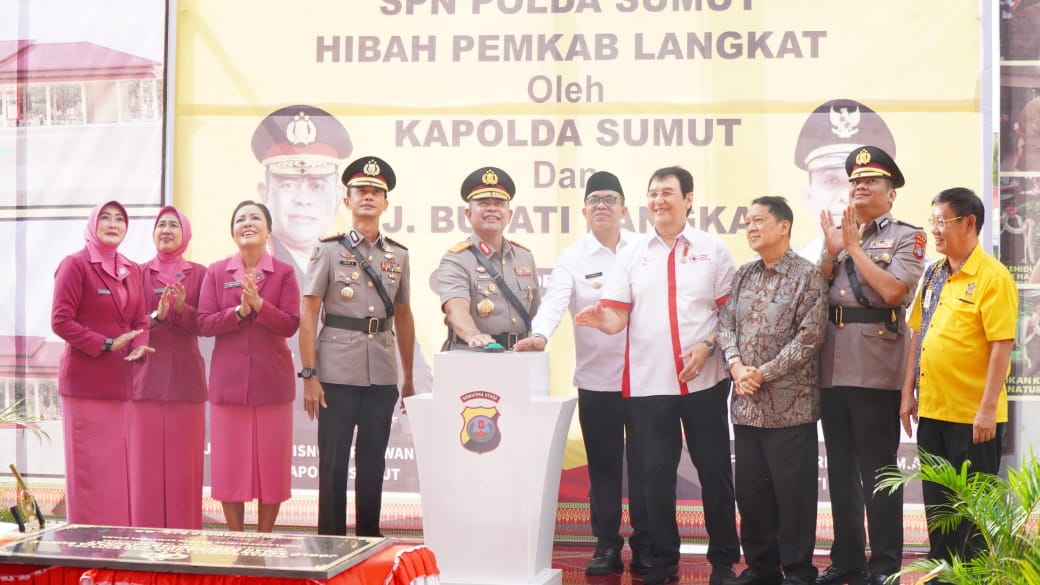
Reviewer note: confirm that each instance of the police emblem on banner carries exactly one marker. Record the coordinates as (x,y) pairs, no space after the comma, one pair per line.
(480,432)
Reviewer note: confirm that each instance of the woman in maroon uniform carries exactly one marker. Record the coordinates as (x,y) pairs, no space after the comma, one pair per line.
(168,413)
(250,302)
(98,310)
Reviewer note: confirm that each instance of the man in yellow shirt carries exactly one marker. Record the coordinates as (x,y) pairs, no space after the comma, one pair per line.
(963,329)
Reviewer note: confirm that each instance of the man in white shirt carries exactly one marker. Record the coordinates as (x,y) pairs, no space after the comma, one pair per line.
(667,288)
(576,282)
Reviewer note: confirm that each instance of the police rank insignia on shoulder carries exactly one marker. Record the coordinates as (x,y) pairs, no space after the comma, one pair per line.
(332,237)
(519,245)
(460,247)
(919,244)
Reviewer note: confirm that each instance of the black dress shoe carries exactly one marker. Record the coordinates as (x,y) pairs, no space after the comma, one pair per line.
(605,562)
(833,575)
(751,577)
(876,579)
(721,574)
(661,575)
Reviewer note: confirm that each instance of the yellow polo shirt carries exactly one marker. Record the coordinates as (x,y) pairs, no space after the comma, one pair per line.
(978,305)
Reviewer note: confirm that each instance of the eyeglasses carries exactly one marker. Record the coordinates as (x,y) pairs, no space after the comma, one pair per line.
(607,200)
(756,222)
(940,222)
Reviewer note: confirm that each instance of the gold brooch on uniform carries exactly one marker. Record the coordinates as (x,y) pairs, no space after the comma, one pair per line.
(347,293)
(354,276)
(597,284)
(485,307)
(492,287)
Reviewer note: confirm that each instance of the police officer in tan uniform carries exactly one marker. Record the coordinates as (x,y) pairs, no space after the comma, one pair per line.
(488,284)
(359,282)
(873,263)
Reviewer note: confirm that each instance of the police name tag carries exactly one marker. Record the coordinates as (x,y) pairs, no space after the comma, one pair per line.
(103,291)
(233,284)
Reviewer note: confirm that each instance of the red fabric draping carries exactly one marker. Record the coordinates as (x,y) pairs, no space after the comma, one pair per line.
(397,565)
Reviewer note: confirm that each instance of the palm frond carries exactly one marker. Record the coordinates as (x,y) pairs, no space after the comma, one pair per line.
(999,509)
(14,414)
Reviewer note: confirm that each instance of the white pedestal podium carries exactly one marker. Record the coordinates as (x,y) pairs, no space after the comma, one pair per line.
(489,445)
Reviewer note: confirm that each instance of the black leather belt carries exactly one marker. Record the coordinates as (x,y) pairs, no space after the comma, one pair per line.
(890,316)
(369,325)
(508,340)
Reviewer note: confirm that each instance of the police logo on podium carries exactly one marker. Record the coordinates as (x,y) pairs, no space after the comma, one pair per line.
(480,432)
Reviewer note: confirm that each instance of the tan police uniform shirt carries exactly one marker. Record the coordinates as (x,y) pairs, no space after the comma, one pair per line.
(460,275)
(357,358)
(869,355)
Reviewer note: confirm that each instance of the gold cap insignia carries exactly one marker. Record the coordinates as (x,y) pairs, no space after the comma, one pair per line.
(372,168)
(863,157)
(490,177)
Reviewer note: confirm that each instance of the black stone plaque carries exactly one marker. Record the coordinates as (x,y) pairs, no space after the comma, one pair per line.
(192,551)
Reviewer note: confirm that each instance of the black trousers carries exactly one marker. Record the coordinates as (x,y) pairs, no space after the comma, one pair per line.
(776,491)
(605,423)
(660,423)
(371,410)
(953,442)
(861,432)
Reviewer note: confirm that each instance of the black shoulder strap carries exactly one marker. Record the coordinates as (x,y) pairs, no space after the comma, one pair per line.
(850,269)
(372,274)
(510,295)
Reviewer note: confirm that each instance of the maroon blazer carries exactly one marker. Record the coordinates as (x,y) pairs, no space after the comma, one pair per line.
(251,361)
(84,313)
(175,372)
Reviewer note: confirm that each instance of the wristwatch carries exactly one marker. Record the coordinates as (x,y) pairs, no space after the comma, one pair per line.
(108,343)
(307,373)
(155,316)
(711,346)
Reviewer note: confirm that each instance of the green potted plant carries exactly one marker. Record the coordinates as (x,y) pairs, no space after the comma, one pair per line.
(999,508)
